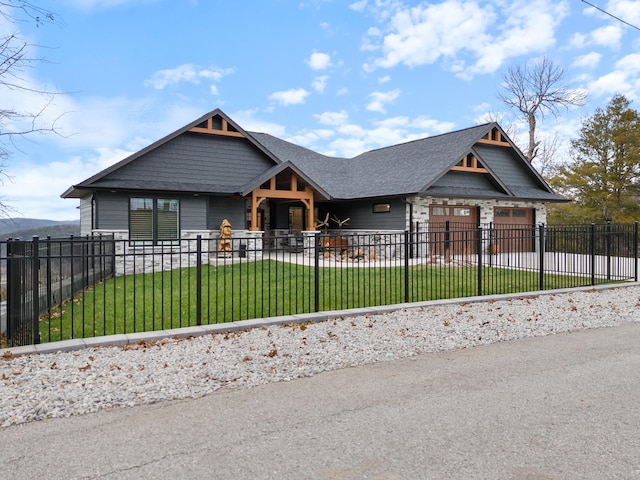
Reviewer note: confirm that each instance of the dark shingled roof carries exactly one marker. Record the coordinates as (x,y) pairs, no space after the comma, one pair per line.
(413,168)
(419,167)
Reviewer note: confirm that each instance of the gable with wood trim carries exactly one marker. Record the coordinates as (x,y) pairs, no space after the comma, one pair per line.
(212,169)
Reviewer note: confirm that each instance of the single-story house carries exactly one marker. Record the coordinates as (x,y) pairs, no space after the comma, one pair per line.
(212,169)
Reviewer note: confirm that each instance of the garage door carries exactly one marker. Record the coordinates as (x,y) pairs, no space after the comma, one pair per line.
(513,230)
(452,229)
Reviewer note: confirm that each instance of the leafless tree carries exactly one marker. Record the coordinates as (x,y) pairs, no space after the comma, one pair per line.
(547,164)
(535,91)
(17,121)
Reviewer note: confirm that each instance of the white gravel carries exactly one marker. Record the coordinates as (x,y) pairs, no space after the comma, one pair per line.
(39,386)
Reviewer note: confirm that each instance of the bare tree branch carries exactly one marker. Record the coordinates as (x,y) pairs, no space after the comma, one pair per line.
(535,91)
(15,58)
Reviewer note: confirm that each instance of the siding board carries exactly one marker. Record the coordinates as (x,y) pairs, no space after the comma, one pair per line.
(196,160)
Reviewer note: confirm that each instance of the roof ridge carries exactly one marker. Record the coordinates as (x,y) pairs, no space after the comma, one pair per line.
(431,137)
(296,145)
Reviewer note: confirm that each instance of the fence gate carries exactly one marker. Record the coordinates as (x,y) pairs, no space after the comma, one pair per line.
(22,293)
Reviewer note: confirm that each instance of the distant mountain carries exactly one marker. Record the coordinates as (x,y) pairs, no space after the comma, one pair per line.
(28,227)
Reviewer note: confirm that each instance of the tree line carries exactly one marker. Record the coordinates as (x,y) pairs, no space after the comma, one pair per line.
(601,178)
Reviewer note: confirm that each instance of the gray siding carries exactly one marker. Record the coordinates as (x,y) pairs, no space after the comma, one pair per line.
(466,184)
(85,215)
(362,217)
(193,162)
(112,211)
(231,208)
(193,213)
(503,163)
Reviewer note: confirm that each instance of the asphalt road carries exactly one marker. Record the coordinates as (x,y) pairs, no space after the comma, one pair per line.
(559,407)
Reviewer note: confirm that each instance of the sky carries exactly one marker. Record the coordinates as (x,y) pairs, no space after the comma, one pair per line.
(337,76)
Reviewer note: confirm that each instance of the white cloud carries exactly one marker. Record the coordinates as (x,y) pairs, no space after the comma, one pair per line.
(248,120)
(473,37)
(627,10)
(624,78)
(589,60)
(319,61)
(358,6)
(186,73)
(34,190)
(384,79)
(380,99)
(346,147)
(432,125)
(332,118)
(93,4)
(608,36)
(289,97)
(320,83)
(311,138)
(610,83)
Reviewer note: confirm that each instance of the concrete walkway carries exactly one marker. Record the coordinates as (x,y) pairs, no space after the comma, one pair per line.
(558,407)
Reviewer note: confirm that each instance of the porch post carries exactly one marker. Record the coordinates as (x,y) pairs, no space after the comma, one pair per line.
(254,211)
(310,220)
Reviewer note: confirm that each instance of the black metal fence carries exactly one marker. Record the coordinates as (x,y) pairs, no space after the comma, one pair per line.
(58,289)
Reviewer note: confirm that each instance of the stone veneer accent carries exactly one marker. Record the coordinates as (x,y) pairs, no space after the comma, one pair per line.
(132,259)
(421,207)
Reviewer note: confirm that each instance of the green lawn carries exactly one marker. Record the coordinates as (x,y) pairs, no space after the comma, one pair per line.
(162,300)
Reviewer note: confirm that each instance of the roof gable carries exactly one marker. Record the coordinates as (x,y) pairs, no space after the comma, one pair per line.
(213,154)
(212,126)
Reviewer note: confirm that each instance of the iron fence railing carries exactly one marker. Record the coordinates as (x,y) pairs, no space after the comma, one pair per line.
(56,289)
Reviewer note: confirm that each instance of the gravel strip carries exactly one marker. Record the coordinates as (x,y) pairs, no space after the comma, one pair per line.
(39,386)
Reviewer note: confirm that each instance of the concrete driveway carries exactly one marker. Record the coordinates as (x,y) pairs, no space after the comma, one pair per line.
(559,407)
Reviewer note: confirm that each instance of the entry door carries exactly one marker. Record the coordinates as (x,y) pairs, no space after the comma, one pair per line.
(296,219)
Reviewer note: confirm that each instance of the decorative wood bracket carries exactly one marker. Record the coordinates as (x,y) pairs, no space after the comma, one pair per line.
(305,196)
(209,129)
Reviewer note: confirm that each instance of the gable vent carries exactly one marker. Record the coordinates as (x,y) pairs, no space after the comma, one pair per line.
(495,137)
(469,164)
(216,125)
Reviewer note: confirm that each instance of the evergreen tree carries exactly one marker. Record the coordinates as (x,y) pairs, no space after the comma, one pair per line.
(603,176)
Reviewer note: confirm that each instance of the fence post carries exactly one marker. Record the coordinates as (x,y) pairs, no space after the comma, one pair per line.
(35,284)
(316,272)
(49,277)
(635,251)
(12,289)
(541,249)
(593,254)
(406,266)
(479,232)
(492,240)
(199,280)
(608,248)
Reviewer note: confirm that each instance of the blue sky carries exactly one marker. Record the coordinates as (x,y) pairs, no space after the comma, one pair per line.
(337,76)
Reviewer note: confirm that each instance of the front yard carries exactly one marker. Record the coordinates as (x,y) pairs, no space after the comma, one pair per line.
(172,299)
